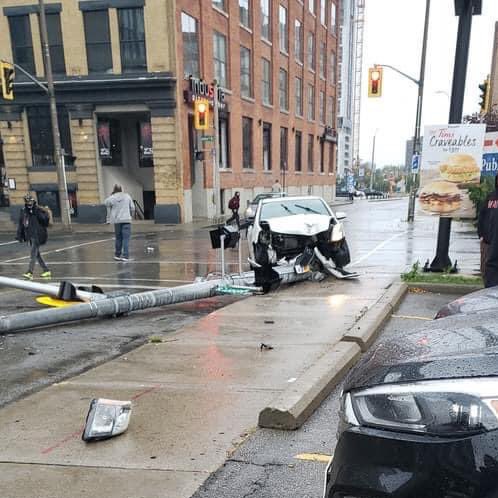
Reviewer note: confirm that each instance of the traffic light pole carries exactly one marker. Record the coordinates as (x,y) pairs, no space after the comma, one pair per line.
(465,9)
(59,160)
(418,118)
(216,156)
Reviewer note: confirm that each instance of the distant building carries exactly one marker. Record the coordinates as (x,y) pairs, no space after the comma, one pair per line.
(493,96)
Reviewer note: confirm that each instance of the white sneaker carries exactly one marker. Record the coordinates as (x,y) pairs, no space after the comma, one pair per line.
(117,258)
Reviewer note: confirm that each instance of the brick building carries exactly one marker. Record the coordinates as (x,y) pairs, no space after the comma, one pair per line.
(115,87)
(126,75)
(276,64)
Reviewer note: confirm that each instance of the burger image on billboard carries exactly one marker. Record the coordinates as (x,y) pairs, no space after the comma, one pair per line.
(460,168)
(440,197)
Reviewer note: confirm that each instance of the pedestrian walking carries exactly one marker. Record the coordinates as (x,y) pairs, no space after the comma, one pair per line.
(276,187)
(487,230)
(32,228)
(351,192)
(120,213)
(234,205)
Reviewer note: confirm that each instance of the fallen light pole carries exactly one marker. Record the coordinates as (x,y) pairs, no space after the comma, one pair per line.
(48,289)
(117,306)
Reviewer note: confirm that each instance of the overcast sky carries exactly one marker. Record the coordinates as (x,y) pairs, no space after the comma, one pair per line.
(393,35)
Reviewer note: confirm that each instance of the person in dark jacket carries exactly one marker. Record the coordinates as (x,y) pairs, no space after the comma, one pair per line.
(32,228)
(234,205)
(487,230)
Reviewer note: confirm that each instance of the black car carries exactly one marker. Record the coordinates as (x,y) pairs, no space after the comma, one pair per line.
(419,415)
(374,194)
(475,302)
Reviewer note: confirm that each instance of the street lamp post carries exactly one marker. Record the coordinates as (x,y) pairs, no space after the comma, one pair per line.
(372,173)
(59,159)
(464,9)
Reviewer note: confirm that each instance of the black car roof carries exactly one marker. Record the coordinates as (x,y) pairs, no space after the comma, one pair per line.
(452,347)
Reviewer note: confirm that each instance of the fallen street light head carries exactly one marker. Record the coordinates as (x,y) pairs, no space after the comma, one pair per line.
(106,418)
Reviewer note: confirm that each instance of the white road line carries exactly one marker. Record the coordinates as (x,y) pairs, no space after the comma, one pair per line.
(8,243)
(60,250)
(375,249)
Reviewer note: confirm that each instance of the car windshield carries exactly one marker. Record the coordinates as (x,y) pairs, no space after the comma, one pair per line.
(289,207)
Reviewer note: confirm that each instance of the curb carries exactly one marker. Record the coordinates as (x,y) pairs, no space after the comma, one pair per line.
(366,329)
(459,289)
(296,403)
(293,406)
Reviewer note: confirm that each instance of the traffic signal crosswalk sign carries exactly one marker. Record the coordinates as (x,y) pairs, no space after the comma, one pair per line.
(7,74)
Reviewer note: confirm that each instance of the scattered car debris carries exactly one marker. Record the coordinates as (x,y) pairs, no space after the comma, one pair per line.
(264,346)
(106,418)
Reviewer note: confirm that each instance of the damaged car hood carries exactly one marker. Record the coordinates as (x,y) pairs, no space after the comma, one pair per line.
(300,224)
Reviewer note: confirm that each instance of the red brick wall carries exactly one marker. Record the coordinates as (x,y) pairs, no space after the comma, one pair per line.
(211,19)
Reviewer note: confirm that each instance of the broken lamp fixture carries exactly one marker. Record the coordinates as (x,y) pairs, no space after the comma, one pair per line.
(106,418)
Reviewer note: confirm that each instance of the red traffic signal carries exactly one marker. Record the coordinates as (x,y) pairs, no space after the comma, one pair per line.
(201,114)
(375,81)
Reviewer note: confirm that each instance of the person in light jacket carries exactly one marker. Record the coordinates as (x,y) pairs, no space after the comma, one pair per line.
(120,209)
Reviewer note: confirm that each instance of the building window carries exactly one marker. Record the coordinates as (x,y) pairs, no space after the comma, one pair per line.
(311,51)
(284,90)
(110,146)
(283,149)
(283,30)
(298,40)
(333,68)
(322,107)
(311,6)
(98,41)
(330,113)
(245,13)
(245,72)
(265,20)
(267,87)
(190,38)
(311,103)
(132,39)
(267,146)
(331,158)
(298,82)
(298,165)
(310,153)
(41,138)
(220,59)
(22,43)
(333,18)
(220,4)
(323,65)
(55,44)
(246,142)
(322,156)
(224,145)
(323,9)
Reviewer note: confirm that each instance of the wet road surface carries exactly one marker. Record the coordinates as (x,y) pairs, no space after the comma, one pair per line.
(381,244)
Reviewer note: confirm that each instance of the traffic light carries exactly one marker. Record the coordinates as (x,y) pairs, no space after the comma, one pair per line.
(375,81)
(484,97)
(7,79)
(201,115)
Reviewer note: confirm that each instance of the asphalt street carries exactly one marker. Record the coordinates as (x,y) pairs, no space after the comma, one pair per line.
(276,464)
(381,244)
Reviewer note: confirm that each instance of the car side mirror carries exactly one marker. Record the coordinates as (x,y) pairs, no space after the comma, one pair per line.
(341,215)
(264,225)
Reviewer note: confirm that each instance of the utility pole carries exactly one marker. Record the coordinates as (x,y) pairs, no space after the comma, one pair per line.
(216,155)
(59,160)
(464,9)
(418,118)
(372,173)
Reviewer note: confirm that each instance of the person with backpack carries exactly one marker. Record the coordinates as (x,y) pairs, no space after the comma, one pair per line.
(234,205)
(32,228)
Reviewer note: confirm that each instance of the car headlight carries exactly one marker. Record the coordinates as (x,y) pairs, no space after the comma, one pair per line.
(455,407)
(106,418)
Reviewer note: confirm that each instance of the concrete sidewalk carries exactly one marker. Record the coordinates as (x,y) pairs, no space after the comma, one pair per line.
(195,396)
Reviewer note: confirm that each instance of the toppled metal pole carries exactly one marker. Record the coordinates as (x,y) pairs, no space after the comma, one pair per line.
(47,289)
(115,306)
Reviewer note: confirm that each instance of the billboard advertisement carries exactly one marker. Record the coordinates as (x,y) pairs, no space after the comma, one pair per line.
(451,162)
